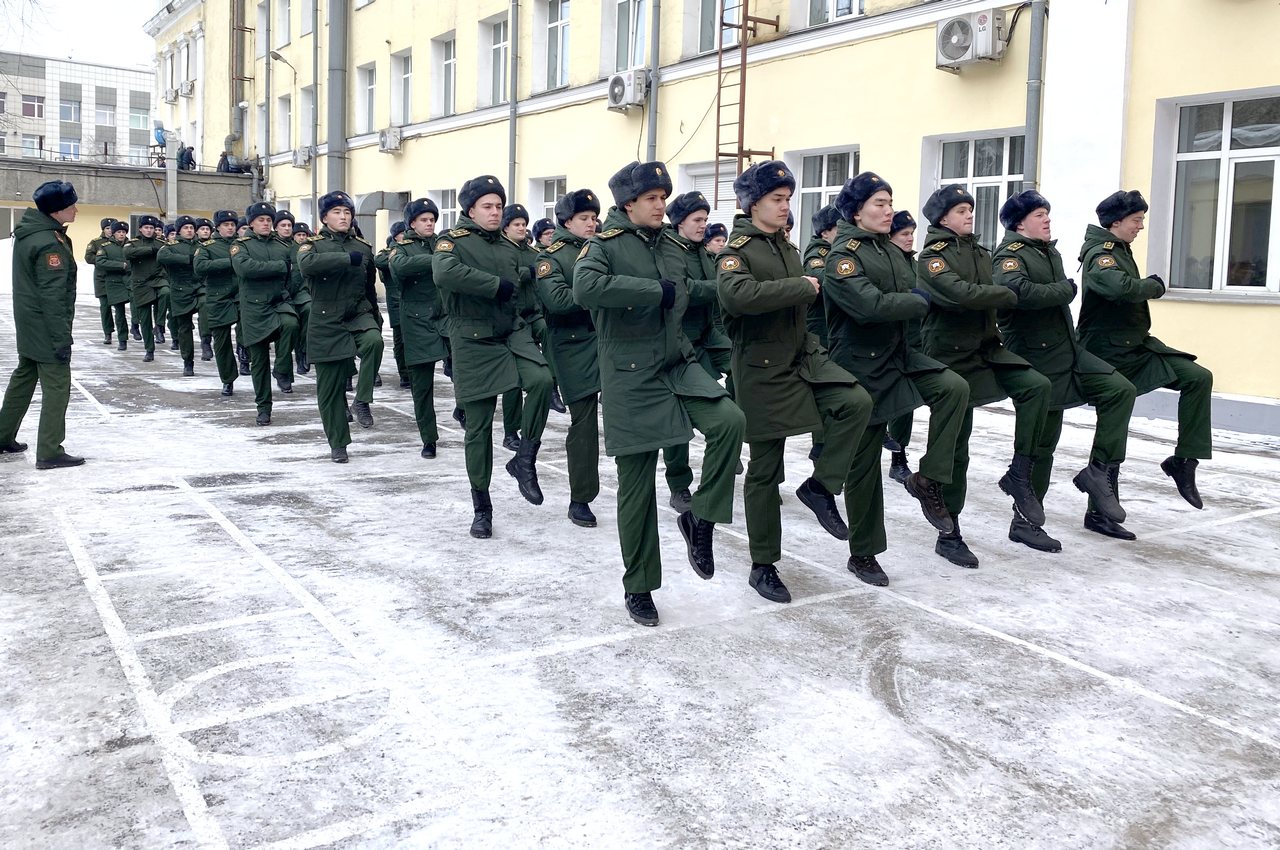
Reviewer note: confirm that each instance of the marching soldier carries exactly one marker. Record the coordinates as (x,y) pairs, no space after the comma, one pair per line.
(392,289)
(493,347)
(960,331)
(212,262)
(543,233)
(44,303)
(345,321)
(300,298)
(1040,329)
(186,292)
(898,433)
(824,224)
(282,222)
(1115,324)
(572,345)
(204,232)
(652,386)
(204,229)
(99,287)
(146,275)
(715,238)
(109,260)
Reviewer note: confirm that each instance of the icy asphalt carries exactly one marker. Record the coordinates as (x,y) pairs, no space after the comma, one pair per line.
(211,636)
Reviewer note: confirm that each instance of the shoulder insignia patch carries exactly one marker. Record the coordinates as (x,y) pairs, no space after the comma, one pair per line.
(740,241)
(731,264)
(101,251)
(937,266)
(937,246)
(1108,245)
(304,247)
(1010,265)
(583,252)
(1016,246)
(362,242)
(845,267)
(235,249)
(556,246)
(54,261)
(244,238)
(1106,261)
(611,232)
(459,232)
(394,251)
(853,244)
(822,252)
(816,263)
(445,244)
(543,268)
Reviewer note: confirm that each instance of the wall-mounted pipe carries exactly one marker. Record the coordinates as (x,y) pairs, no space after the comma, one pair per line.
(655,38)
(1035,93)
(336,116)
(514,51)
(315,108)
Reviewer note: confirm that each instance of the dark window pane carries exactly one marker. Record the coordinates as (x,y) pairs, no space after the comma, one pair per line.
(1195,216)
(1252,192)
(955,160)
(809,203)
(1255,123)
(811,171)
(837,169)
(986,216)
(1200,128)
(817,12)
(988,157)
(1017,149)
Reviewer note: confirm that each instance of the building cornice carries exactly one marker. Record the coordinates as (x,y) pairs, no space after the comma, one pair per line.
(168,16)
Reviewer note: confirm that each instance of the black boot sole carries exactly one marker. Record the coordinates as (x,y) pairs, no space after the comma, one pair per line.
(1115,531)
(644,621)
(1030,543)
(970,563)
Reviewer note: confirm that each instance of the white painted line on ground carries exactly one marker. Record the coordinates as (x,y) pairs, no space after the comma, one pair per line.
(333,833)
(275,706)
(215,625)
(1201,526)
(106,414)
(205,828)
(123,574)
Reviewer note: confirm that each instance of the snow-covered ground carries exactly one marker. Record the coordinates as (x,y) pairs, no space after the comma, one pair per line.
(212,636)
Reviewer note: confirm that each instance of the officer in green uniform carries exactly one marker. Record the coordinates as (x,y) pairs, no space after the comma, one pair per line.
(824,224)
(960,331)
(898,434)
(99,288)
(44,305)
(572,346)
(204,232)
(345,321)
(186,292)
(392,289)
(786,383)
(261,262)
(162,320)
(871,295)
(1115,324)
(300,297)
(110,262)
(652,389)
(420,314)
(283,369)
(212,263)
(479,273)
(146,274)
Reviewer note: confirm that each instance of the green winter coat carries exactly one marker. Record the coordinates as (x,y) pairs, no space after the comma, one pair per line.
(185,287)
(775,359)
(420,309)
(528,304)
(146,274)
(870,306)
(487,335)
(261,264)
(389,285)
(646,362)
(1115,320)
(344,298)
(815,262)
(109,262)
(699,268)
(960,329)
(572,334)
(1040,328)
(299,290)
(212,263)
(90,257)
(44,286)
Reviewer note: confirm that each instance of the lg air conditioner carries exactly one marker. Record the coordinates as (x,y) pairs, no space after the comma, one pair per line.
(302,157)
(389,140)
(627,89)
(188,89)
(975,37)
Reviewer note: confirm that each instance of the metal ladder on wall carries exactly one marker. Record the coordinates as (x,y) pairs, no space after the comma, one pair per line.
(731,87)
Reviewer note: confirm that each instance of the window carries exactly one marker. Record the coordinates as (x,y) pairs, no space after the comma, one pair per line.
(367,92)
(69,110)
(557,43)
(629,34)
(2,153)
(825,11)
(170,74)
(137,155)
(709,23)
(500,35)
(402,85)
(282,22)
(1224,227)
(822,176)
(32,146)
(991,170)
(104,116)
(261,133)
(446,61)
(703,176)
(68,151)
(2,102)
(553,189)
(184,64)
(139,119)
(308,18)
(32,106)
(264,24)
(306,131)
(284,123)
(447,200)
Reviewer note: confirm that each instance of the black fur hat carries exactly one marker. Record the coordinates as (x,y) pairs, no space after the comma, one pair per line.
(225,215)
(683,206)
(577,201)
(169,230)
(420,206)
(105,223)
(857,191)
(761,179)
(825,219)
(941,202)
(303,228)
(1020,206)
(54,196)
(541,226)
(1120,205)
(476,188)
(204,222)
(398,227)
(242,222)
(791,220)
(183,220)
(143,221)
(901,221)
(336,199)
(714,230)
(117,226)
(635,179)
(260,209)
(511,212)
(283,215)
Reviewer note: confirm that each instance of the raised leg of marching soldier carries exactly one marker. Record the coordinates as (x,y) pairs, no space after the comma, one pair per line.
(183,335)
(300,349)
(422,379)
(206,333)
(225,356)
(331,399)
(512,416)
(897,438)
(535,384)
(122,326)
(679,476)
(1194,385)
(369,347)
(582,451)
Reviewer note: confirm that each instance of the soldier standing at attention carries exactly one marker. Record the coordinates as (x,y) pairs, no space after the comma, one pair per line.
(1040,329)
(204,232)
(715,237)
(653,389)
(392,289)
(898,434)
(476,268)
(543,233)
(145,277)
(109,259)
(1115,324)
(572,345)
(177,259)
(44,304)
(212,262)
(960,331)
(99,287)
(786,383)
(299,292)
(261,262)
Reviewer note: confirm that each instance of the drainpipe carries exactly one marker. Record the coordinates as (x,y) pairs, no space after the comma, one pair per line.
(315,110)
(514,41)
(655,34)
(1035,93)
(336,135)
(237,85)
(266,134)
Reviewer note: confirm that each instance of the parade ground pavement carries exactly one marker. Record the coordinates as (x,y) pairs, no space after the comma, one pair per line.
(212,636)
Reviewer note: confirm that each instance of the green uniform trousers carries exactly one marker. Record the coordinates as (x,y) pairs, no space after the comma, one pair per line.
(675,459)
(224,354)
(55,394)
(722,424)
(104,313)
(397,351)
(513,411)
(121,323)
(1194,385)
(331,398)
(535,381)
(582,449)
(183,332)
(1112,396)
(285,348)
(202,320)
(144,320)
(369,347)
(542,335)
(845,411)
(304,321)
(260,359)
(422,380)
(899,428)
(160,308)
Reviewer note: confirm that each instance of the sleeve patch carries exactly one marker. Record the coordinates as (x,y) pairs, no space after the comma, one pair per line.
(444,245)
(1106,261)
(730,264)
(235,249)
(1010,265)
(54,261)
(304,247)
(393,251)
(816,263)
(583,252)
(102,252)
(845,267)
(544,268)
(937,266)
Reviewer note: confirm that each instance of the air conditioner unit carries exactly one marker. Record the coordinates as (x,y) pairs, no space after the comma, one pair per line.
(975,37)
(170,95)
(389,140)
(627,89)
(188,88)
(302,156)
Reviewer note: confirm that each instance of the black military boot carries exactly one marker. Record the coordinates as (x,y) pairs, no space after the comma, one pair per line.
(511,441)
(640,607)
(815,452)
(523,467)
(405,383)
(350,387)
(157,334)
(482,522)
(954,549)
(149,357)
(822,502)
(898,469)
(338,455)
(739,469)
(557,403)
(13,447)
(59,461)
(448,367)
(1183,472)
(1095,481)
(206,348)
(867,568)
(304,365)
(135,332)
(1016,483)
(428,450)
(1100,524)
(1021,531)
(264,418)
(285,385)
(108,340)
(364,416)
(764,578)
(189,368)
(681,501)
(697,538)
(377,380)
(460,416)
(929,494)
(890,444)
(351,417)
(242,355)
(228,388)
(580,514)
(124,344)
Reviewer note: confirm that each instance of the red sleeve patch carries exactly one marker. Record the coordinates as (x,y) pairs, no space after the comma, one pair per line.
(54,261)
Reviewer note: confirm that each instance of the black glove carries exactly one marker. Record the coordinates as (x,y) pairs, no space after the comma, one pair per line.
(1158,279)
(63,354)
(506,290)
(1074,289)
(1015,288)
(357,258)
(288,268)
(668,294)
(928,299)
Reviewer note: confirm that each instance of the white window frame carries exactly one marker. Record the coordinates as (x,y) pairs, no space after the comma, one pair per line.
(700,177)
(972,184)
(367,98)
(634,14)
(444,62)
(707,15)
(36,102)
(402,88)
(495,68)
(284,123)
(555,76)
(308,18)
(260,37)
(825,192)
(830,11)
(102,110)
(447,201)
(557,188)
(307,114)
(32,146)
(69,150)
(3,146)
(263,117)
(3,105)
(143,116)
(138,155)
(282,27)
(75,107)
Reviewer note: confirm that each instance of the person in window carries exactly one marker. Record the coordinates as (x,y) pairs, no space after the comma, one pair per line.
(1115,325)
(898,434)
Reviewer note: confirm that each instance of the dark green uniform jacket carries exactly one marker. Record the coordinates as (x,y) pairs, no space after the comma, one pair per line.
(766,307)
(645,359)
(109,262)
(262,265)
(44,286)
(381,263)
(469,263)
(529,306)
(699,269)
(572,333)
(420,310)
(1115,320)
(1040,329)
(299,289)
(960,329)
(344,296)
(146,273)
(212,263)
(90,257)
(869,307)
(184,287)
(815,261)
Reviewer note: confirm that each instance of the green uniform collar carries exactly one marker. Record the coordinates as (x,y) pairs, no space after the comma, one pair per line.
(617,219)
(563,234)
(466,223)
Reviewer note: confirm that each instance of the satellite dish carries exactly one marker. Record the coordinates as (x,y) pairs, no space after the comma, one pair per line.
(955,39)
